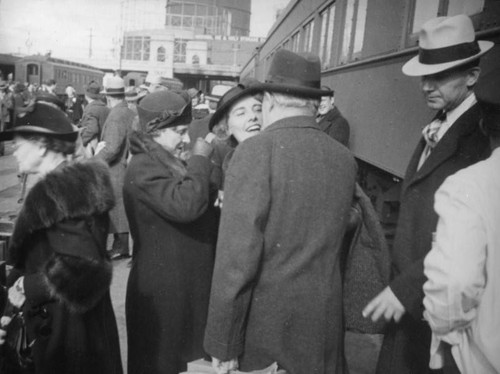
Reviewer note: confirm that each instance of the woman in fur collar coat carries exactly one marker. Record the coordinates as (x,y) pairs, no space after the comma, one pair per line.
(61,273)
(173,223)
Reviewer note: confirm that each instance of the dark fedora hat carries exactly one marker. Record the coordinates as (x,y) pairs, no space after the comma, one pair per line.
(295,74)
(162,109)
(93,90)
(44,119)
(488,96)
(244,88)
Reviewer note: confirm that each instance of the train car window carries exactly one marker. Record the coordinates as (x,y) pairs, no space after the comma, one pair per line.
(308,37)
(295,41)
(286,45)
(354,30)
(326,40)
(424,10)
(32,69)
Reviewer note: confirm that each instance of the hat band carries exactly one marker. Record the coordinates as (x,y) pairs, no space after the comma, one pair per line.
(448,54)
(115,90)
(278,79)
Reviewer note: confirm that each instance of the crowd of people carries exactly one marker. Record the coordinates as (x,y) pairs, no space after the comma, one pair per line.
(253,246)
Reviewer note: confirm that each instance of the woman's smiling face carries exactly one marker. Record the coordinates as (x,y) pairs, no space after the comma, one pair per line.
(244,118)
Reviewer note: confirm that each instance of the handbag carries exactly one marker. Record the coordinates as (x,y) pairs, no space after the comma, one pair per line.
(16,357)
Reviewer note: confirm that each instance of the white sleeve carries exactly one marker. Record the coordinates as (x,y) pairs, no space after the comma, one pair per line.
(455,266)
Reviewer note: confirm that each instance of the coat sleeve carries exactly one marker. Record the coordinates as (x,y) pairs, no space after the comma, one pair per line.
(178,199)
(455,267)
(90,128)
(239,249)
(77,273)
(115,137)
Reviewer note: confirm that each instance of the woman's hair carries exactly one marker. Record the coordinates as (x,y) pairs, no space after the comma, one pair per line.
(289,101)
(53,144)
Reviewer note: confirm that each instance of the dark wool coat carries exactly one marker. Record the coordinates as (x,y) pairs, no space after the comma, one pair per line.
(93,119)
(406,345)
(277,290)
(115,133)
(335,125)
(174,228)
(59,246)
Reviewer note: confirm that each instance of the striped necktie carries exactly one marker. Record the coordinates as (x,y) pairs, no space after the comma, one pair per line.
(430,132)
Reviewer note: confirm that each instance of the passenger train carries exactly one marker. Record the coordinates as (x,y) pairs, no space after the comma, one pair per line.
(362,45)
(41,68)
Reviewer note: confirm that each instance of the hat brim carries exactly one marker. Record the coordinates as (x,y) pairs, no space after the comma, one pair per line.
(221,111)
(112,93)
(294,90)
(414,68)
(9,134)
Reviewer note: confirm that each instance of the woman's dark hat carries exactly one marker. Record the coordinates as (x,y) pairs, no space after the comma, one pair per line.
(444,43)
(49,99)
(93,90)
(295,74)
(162,109)
(44,119)
(488,96)
(245,88)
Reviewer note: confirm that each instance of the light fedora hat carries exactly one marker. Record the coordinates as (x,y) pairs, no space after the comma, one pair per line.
(114,86)
(445,42)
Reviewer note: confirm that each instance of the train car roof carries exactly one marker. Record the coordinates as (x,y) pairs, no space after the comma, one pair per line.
(59,61)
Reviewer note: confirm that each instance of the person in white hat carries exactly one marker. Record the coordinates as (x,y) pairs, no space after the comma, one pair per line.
(113,148)
(448,64)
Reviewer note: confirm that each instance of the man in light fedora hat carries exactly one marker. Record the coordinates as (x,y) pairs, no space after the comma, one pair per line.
(276,294)
(448,64)
(113,148)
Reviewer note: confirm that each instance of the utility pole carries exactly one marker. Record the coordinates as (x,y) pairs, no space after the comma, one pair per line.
(90,43)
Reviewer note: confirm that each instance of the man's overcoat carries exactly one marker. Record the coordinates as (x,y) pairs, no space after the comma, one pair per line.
(277,291)
(174,224)
(335,125)
(115,133)
(406,345)
(93,119)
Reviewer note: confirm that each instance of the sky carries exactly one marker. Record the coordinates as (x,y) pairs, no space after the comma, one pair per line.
(63,27)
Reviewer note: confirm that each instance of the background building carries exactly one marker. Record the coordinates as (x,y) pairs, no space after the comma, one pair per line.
(202,43)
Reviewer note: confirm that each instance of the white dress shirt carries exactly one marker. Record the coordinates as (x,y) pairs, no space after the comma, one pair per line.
(462,294)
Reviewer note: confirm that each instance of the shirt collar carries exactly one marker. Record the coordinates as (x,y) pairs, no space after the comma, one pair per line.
(455,113)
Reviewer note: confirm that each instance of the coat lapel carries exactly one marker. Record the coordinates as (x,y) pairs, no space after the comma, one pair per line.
(446,147)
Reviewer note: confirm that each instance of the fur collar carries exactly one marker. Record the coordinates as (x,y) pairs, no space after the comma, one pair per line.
(141,142)
(72,190)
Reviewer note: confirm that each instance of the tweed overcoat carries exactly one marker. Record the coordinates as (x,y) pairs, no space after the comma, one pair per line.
(277,290)
(174,224)
(115,133)
(59,246)
(406,345)
(335,125)
(93,119)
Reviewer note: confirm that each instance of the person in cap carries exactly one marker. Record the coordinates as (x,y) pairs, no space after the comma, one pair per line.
(94,116)
(173,222)
(276,293)
(113,148)
(61,272)
(331,120)
(448,66)
(461,292)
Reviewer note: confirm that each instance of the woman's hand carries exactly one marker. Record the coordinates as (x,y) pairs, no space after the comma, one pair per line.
(16,293)
(224,367)
(100,146)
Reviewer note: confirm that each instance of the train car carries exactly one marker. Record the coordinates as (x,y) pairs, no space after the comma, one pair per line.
(362,45)
(41,68)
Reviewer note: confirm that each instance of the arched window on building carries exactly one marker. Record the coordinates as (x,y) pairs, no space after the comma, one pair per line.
(160,54)
(195,60)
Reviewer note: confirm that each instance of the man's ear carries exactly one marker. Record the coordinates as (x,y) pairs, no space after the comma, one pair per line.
(473,76)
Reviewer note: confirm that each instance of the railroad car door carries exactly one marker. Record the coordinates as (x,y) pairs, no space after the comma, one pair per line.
(33,73)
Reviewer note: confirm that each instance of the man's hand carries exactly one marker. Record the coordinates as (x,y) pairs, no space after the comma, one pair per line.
(2,336)
(224,367)
(100,147)
(385,304)
(16,293)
